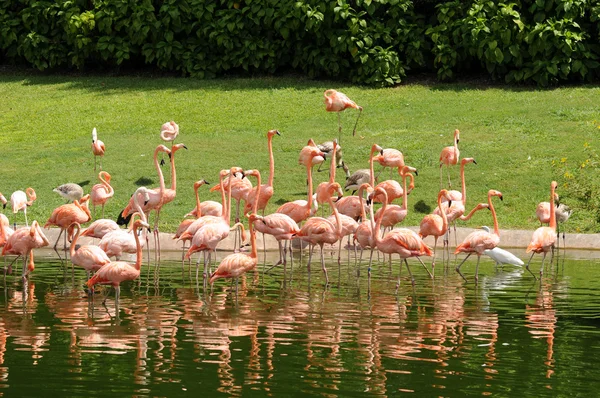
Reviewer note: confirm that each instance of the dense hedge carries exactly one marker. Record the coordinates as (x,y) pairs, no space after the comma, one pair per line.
(365,41)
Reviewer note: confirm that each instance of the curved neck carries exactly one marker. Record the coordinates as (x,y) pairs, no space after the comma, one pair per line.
(173,172)
(443,212)
(405,197)
(138,207)
(106,184)
(332,166)
(310,187)
(363,215)
(198,209)
(338,222)
(455,141)
(82,208)
(377,229)
(271,161)
(496,230)
(74,241)
(464,187)
(258,181)
(254,250)
(223,201)
(138,247)
(228,218)
(552,209)
(161,178)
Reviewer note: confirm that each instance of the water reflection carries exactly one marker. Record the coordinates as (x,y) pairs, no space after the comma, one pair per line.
(270,339)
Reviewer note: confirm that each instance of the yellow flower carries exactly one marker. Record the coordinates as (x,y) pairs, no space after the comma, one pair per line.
(563,160)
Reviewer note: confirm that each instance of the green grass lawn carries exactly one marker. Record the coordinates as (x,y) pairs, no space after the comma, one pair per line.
(513,133)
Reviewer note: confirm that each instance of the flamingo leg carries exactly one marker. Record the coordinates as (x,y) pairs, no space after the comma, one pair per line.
(359,262)
(424,266)
(310,253)
(527,266)
(95,160)
(360,109)
(449,182)
(25,212)
(542,268)
(370,263)
(434,253)
(441,176)
(339,128)
(459,265)
(57,239)
(477,269)
(102,210)
(117,297)
(323,266)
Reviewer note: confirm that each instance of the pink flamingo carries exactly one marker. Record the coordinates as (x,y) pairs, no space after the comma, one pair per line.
(3,201)
(237,264)
(116,272)
(23,241)
(322,190)
(403,241)
(449,157)
(319,231)
(18,201)
(544,238)
(102,192)
(435,225)
(266,191)
(282,228)
(336,101)
(395,214)
(67,214)
(240,189)
(479,241)
(349,226)
(364,232)
(389,157)
(393,189)
(542,210)
(300,210)
(98,148)
(99,228)
(207,207)
(89,257)
(351,205)
(169,131)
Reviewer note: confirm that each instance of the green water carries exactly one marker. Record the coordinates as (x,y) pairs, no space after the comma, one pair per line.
(507,336)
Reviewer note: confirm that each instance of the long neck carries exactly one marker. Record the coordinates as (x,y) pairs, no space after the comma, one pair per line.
(138,207)
(74,241)
(199,211)
(310,187)
(107,187)
(552,210)
(173,172)
(271,161)
(464,187)
(443,212)
(138,247)
(371,172)
(332,166)
(228,218)
(377,229)
(161,178)
(254,251)
(255,207)
(496,230)
(405,197)
(223,200)
(338,222)
(455,141)
(363,215)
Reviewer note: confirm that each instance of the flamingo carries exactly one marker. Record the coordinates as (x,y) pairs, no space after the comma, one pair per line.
(3,201)
(116,272)
(168,133)
(449,157)
(116,242)
(389,157)
(395,214)
(89,257)
(364,231)
(319,230)
(102,192)
(403,241)
(351,205)
(327,149)
(349,226)
(357,178)
(266,191)
(544,238)
(479,241)
(99,228)
(240,189)
(18,201)
(67,214)
(435,225)
(392,187)
(322,190)
(98,148)
(23,241)
(300,210)
(336,101)
(281,227)
(237,264)
(207,207)
(70,191)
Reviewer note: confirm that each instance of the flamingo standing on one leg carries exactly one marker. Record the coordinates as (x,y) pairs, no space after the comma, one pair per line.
(18,201)
(449,157)
(544,238)
(168,133)
(102,192)
(336,101)
(23,241)
(403,241)
(119,271)
(98,148)
(479,241)
(65,215)
(319,231)
(435,225)
(389,157)
(89,257)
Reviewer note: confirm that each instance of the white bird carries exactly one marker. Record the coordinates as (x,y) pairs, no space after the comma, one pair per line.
(501,256)
(70,191)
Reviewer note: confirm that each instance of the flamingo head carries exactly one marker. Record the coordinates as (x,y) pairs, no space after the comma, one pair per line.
(3,200)
(271,133)
(467,160)
(457,135)
(106,176)
(493,192)
(376,148)
(199,183)
(235,170)
(253,172)
(31,193)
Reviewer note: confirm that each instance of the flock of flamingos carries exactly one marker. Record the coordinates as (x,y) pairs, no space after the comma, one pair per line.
(351,216)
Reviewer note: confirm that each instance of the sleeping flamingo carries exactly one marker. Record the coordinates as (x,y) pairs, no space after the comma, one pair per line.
(89,257)
(479,241)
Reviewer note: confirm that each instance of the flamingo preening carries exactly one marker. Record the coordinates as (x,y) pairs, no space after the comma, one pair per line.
(98,148)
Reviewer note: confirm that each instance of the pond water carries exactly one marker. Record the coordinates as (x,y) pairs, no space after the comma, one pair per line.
(508,335)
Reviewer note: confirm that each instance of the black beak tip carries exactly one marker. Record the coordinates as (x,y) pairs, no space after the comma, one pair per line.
(381,152)
(162,162)
(146,202)
(501,198)
(474,162)
(277,132)
(416,173)
(185,147)
(206,182)
(4,206)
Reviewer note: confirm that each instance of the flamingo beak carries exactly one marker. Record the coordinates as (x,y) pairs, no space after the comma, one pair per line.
(206,182)
(185,147)
(501,198)
(4,206)
(416,173)
(474,162)
(277,132)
